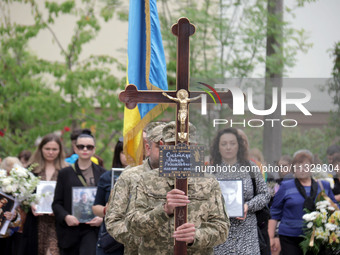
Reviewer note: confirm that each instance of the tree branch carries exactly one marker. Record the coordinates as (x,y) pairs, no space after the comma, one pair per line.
(113,134)
(55,38)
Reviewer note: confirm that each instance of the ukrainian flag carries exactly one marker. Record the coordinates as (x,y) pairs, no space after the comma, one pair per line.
(146,70)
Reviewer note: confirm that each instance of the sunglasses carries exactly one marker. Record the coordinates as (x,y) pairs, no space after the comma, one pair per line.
(82,147)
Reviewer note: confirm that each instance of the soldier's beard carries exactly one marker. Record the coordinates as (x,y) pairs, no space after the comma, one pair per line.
(153,163)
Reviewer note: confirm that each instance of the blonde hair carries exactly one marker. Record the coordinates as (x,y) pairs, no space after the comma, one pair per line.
(257,154)
(37,156)
(8,163)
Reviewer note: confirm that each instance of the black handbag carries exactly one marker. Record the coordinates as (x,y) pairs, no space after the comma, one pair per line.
(262,217)
(262,240)
(107,242)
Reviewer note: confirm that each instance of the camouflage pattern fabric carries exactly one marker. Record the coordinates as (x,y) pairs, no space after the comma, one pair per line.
(169,132)
(155,134)
(146,217)
(118,205)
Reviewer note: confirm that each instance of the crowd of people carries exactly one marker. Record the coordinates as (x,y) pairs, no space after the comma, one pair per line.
(136,214)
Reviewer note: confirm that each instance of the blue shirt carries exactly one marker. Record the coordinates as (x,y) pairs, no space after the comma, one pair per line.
(103,189)
(288,207)
(72,159)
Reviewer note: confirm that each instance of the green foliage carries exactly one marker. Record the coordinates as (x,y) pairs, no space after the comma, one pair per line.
(230,40)
(302,2)
(108,10)
(294,139)
(38,96)
(334,88)
(315,140)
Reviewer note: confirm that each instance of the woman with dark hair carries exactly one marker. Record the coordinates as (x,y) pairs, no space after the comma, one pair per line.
(289,202)
(119,159)
(229,156)
(72,157)
(50,158)
(241,152)
(102,197)
(75,237)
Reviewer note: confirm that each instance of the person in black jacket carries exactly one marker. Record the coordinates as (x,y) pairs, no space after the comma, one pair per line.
(74,237)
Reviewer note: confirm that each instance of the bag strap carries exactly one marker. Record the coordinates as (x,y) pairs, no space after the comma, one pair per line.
(80,176)
(252,176)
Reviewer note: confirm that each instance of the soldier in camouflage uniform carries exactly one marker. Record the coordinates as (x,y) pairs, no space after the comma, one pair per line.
(120,195)
(151,211)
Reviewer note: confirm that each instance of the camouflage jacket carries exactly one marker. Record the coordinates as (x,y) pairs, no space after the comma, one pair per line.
(117,207)
(146,216)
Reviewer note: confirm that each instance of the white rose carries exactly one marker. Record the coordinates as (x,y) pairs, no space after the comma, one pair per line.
(330,226)
(20,171)
(314,215)
(6,181)
(3,173)
(310,224)
(14,187)
(322,204)
(331,208)
(8,189)
(307,217)
(22,189)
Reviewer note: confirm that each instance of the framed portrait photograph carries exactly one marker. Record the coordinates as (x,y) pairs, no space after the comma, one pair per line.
(232,191)
(82,201)
(116,172)
(7,204)
(45,190)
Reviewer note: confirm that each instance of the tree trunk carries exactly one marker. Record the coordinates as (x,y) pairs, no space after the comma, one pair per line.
(272,133)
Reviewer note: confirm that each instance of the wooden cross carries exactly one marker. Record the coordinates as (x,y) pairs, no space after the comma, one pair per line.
(131,96)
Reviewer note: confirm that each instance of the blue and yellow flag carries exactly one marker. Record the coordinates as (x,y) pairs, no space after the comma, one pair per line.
(146,70)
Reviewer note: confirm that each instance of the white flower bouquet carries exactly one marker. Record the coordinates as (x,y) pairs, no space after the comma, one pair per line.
(21,184)
(322,230)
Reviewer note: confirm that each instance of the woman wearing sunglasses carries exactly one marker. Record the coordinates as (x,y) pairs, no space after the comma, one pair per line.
(75,237)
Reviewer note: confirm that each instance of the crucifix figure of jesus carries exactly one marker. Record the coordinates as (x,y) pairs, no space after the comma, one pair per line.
(183,100)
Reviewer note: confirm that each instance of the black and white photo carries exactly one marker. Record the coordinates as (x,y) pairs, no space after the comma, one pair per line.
(233,197)
(45,191)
